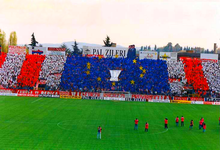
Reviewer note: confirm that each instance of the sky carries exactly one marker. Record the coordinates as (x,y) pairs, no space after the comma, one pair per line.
(140,22)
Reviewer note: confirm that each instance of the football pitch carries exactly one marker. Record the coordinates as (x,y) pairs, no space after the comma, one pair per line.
(28,123)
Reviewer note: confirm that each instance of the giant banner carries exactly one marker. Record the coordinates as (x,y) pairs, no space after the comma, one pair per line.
(105,51)
(55,51)
(37,50)
(17,49)
(147,55)
(168,56)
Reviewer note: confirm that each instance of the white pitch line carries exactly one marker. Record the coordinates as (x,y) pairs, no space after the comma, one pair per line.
(36,100)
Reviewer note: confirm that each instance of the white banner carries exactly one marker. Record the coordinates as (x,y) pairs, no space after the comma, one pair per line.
(37,50)
(196,102)
(168,56)
(114,75)
(147,55)
(105,51)
(209,56)
(114,98)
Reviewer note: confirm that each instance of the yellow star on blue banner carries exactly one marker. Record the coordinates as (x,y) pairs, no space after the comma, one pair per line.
(132,81)
(88,72)
(99,79)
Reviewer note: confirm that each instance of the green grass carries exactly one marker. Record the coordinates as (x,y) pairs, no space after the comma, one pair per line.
(52,124)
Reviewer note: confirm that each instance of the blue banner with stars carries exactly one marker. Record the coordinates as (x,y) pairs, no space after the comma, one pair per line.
(93,74)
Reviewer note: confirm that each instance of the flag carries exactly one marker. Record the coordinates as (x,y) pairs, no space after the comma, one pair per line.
(152,75)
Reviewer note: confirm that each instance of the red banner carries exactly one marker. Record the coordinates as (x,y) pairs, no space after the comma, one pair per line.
(64,93)
(113,95)
(197,99)
(150,97)
(36,93)
(27,93)
(56,49)
(208,103)
(91,94)
(180,98)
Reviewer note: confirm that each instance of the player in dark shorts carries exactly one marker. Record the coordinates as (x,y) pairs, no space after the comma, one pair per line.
(166,123)
(191,125)
(136,124)
(146,127)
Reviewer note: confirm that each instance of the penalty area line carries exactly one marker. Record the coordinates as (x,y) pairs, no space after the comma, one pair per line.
(36,100)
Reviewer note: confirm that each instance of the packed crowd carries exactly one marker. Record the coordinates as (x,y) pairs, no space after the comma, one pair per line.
(194,75)
(51,71)
(212,73)
(30,71)
(93,74)
(137,76)
(176,72)
(11,69)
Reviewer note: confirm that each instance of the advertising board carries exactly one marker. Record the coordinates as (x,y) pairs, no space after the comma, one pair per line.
(105,51)
(148,55)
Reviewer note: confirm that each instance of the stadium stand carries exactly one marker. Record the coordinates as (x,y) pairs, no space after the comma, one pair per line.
(11,69)
(137,76)
(83,74)
(30,70)
(194,75)
(51,71)
(211,71)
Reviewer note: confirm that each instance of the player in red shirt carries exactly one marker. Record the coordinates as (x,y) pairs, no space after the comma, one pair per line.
(99,132)
(200,124)
(182,121)
(177,121)
(136,124)
(191,124)
(166,123)
(202,120)
(146,127)
(204,127)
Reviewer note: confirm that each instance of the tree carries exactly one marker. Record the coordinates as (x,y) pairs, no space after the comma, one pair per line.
(33,41)
(149,48)
(155,47)
(13,39)
(3,42)
(168,48)
(68,50)
(107,42)
(177,47)
(76,50)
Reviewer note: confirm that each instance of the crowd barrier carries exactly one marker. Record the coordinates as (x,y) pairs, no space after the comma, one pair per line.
(108,96)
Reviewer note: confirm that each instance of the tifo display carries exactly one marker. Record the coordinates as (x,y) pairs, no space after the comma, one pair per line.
(51,70)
